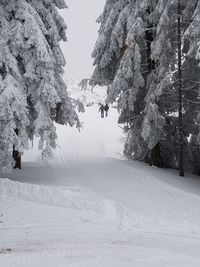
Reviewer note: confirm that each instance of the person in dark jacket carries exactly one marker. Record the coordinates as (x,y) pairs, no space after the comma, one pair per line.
(101,109)
(106,108)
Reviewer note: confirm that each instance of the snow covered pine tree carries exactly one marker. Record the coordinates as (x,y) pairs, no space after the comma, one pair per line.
(136,54)
(32,93)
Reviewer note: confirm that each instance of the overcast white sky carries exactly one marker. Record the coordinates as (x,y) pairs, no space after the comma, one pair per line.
(82,31)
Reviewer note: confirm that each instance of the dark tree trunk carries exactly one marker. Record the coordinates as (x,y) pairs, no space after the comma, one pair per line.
(58,113)
(17,159)
(180,93)
(16,156)
(155,156)
(3,71)
(149,40)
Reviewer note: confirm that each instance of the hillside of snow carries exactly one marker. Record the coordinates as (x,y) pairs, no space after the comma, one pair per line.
(90,207)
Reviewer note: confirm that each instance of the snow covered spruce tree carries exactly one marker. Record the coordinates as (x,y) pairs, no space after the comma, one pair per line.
(136,53)
(32,93)
(182,90)
(128,34)
(118,62)
(191,81)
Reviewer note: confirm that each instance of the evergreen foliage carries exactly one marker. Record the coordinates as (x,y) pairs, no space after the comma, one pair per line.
(137,55)
(32,92)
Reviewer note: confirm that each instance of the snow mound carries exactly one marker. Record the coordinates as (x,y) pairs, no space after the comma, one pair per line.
(70,198)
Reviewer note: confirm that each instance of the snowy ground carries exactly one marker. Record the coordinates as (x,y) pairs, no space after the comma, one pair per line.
(89,207)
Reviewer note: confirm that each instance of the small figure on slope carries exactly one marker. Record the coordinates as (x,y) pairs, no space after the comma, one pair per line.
(101,109)
(106,108)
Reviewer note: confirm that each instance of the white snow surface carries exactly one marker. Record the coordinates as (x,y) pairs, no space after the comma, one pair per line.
(89,207)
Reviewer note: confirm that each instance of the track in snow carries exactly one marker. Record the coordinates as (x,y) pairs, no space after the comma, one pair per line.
(90,207)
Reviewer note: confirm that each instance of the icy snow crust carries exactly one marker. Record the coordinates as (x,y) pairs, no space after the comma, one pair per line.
(89,207)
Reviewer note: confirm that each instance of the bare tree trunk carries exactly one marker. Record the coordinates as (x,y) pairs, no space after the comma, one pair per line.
(17,159)
(16,156)
(180,94)
(150,67)
(155,156)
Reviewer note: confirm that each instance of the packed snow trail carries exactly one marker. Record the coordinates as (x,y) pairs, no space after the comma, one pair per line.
(89,207)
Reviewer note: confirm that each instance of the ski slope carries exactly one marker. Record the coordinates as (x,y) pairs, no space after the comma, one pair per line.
(89,207)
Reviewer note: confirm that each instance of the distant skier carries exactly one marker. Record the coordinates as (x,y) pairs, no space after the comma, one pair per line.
(101,109)
(106,108)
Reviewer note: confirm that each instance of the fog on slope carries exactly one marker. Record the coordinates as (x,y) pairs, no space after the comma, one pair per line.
(96,135)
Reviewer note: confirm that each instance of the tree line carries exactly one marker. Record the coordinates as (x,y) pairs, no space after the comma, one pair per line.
(148,53)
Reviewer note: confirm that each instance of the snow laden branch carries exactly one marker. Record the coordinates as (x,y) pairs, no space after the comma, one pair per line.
(33,92)
(136,54)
